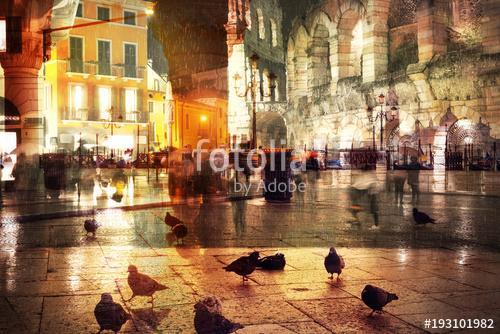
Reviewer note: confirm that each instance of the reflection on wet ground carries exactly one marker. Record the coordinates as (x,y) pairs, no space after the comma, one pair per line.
(52,275)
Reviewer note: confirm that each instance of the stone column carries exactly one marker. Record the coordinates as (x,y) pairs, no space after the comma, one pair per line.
(432,18)
(375,40)
(490,26)
(22,86)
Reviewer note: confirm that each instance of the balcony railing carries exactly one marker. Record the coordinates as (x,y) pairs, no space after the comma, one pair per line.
(103,68)
(76,66)
(129,71)
(81,114)
(95,115)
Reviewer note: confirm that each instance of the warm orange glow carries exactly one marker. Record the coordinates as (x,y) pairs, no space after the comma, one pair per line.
(203,118)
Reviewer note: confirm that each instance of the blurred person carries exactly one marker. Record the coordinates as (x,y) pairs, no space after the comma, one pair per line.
(364,192)
(119,181)
(399,179)
(300,183)
(413,180)
(313,175)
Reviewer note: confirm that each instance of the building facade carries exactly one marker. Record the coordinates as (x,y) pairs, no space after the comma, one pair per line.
(436,63)
(96,85)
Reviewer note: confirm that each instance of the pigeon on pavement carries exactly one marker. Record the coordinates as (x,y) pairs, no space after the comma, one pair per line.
(422,218)
(90,226)
(334,263)
(171,220)
(244,266)
(376,298)
(180,231)
(273,262)
(208,318)
(110,315)
(142,285)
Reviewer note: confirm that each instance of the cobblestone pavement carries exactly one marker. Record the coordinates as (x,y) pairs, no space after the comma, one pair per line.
(51,275)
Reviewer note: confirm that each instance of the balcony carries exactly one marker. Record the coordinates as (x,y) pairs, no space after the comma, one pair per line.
(129,71)
(78,66)
(73,114)
(95,115)
(103,68)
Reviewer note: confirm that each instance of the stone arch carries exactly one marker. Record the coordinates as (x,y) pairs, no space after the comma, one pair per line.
(271,126)
(299,60)
(349,48)
(290,67)
(350,136)
(320,55)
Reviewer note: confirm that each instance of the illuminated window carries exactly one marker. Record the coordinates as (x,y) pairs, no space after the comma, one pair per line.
(274,33)
(103,13)
(262,27)
(104,102)
(129,18)
(131,104)
(77,101)
(3,36)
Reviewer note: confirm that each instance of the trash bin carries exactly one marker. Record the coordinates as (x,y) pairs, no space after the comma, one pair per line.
(278,175)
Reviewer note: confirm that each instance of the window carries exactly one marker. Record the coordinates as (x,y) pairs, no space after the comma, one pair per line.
(262,27)
(131,104)
(129,17)
(79,10)
(105,102)
(130,60)
(103,13)
(156,85)
(104,57)
(274,33)
(77,102)
(76,54)
(187,121)
(151,106)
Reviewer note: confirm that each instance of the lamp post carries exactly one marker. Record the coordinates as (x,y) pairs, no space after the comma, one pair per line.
(382,114)
(252,88)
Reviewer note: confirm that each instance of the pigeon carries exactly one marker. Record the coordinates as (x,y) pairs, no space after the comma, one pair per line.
(334,263)
(180,231)
(208,317)
(142,285)
(110,315)
(171,220)
(422,218)
(244,266)
(376,298)
(273,262)
(90,226)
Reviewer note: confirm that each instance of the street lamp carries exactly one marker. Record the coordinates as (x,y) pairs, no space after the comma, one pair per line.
(252,88)
(382,114)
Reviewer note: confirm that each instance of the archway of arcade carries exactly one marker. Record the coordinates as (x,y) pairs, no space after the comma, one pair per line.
(271,129)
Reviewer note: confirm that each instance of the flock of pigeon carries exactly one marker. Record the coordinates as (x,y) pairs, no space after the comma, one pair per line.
(208,311)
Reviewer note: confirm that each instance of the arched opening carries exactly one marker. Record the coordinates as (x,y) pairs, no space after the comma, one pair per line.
(300,64)
(274,33)
(350,137)
(290,68)
(260,21)
(271,129)
(320,75)
(350,44)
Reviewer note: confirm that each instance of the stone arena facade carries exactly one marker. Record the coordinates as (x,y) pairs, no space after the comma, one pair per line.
(436,62)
